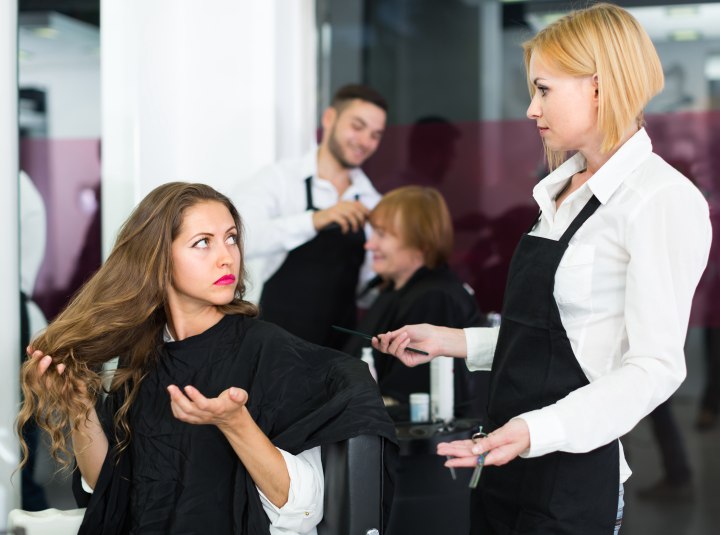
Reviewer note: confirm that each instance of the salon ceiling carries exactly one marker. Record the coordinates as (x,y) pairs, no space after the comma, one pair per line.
(674,20)
(87,11)
(664,20)
(53,38)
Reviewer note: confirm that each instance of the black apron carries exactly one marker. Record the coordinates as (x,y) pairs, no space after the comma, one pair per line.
(534,366)
(315,286)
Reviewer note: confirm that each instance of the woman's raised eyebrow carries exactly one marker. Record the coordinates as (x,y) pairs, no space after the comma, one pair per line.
(199,235)
(206,233)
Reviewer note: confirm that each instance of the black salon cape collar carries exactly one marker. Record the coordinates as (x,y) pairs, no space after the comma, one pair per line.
(327,397)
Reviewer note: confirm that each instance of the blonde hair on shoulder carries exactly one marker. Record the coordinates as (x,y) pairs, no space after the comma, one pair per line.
(606,40)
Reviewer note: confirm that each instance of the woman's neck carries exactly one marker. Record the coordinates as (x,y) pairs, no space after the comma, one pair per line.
(184,324)
(577,180)
(402,279)
(594,160)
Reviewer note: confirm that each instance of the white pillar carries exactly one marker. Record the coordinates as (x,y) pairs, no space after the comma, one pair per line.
(491,87)
(201,91)
(9,270)
(296,78)
(491,61)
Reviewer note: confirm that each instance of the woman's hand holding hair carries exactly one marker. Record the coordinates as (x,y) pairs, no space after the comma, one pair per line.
(502,446)
(434,340)
(43,380)
(43,362)
(228,412)
(89,443)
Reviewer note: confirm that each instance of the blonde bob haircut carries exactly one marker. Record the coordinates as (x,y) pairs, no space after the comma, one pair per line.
(605,40)
(419,217)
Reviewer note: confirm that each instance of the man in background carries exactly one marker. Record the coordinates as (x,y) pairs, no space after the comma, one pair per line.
(306,220)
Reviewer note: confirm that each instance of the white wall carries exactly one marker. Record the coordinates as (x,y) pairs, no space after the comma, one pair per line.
(201,91)
(73,96)
(9,274)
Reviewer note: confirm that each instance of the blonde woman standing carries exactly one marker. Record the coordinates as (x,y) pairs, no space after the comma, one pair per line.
(598,295)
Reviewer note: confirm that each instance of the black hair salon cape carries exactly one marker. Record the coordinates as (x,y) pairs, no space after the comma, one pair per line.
(182,478)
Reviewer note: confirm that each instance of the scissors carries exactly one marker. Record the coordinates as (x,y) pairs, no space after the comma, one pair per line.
(475,478)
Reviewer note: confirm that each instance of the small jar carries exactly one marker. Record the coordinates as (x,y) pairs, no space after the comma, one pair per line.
(419,407)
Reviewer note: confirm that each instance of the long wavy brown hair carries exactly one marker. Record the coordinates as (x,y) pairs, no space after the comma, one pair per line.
(119,312)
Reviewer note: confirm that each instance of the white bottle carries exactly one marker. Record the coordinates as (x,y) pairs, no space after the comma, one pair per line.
(367,358)
(442,389)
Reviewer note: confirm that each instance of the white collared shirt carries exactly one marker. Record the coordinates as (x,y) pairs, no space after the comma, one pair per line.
(273,207)
(624,289)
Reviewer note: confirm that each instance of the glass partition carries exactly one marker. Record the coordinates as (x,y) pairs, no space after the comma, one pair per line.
(454,78)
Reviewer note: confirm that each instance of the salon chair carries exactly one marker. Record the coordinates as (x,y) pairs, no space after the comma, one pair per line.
(428,498)
(47,522)
(353,495)
(353,487)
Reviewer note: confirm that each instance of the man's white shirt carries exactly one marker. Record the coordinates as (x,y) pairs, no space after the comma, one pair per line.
(273,207)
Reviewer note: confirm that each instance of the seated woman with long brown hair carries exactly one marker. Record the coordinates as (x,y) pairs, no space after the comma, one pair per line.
(213,420)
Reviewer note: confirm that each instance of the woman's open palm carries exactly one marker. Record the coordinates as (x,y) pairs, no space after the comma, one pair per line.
(190,406)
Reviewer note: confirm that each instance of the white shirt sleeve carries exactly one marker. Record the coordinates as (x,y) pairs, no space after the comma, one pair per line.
(304,508)
(272,222)
(481,342)
(668,240)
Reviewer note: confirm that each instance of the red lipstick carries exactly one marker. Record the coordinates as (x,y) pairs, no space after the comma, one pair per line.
(225,280)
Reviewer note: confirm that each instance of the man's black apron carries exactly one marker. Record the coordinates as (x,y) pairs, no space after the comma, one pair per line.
(534,366)
(315,286)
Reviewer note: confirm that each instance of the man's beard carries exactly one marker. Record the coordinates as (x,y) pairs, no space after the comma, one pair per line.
(337,153)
